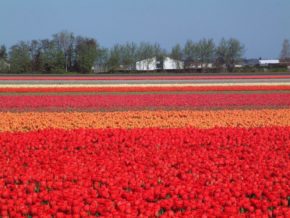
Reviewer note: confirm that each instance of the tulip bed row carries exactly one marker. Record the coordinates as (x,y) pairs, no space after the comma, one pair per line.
(73,89)
(139,101)
(77,150)
(142,119)
(151,172)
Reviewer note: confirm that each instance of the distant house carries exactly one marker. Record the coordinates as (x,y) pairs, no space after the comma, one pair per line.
(268,62)
(165,63)
(171,64)
(147,64)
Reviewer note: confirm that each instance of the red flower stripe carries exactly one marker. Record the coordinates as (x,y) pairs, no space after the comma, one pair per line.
(221,172)
(143,101)
(144,89)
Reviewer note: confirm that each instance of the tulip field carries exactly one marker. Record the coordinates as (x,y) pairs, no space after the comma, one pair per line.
(144,146)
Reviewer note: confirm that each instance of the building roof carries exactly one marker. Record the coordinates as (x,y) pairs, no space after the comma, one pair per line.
(270,61)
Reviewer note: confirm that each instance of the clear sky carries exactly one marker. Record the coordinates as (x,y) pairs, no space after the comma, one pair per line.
(261,25)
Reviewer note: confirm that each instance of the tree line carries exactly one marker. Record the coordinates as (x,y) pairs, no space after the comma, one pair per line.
(65,52)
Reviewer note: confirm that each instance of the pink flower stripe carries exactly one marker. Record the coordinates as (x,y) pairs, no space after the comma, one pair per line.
(144,89)
(221,172)
(143,101)
(142,77)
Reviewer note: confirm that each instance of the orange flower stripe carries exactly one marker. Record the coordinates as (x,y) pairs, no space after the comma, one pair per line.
(27,121)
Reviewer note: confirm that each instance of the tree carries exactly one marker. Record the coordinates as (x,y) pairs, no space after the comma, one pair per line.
(128,54)
(190,51)
(4,66)
(148,50)
(229,52)
(158,51)
(87,52)
(64,41)
(52,59)
(205,51)
(19,57)
(235,53)
(114,59)
(145,51)
(3,53)
(123,56)
(36,55)
(285,52)
(101,63)
(176,52)
(221,52)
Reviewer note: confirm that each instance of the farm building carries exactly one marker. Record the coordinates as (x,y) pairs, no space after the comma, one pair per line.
(164,63)
(268,62)
(147,64)
(171,64)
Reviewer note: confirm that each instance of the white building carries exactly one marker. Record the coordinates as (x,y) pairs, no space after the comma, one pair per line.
(171,64)
(147,64)
(268,62)
(154,64)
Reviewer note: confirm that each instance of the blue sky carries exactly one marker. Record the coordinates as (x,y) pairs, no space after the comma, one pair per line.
(261,25)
